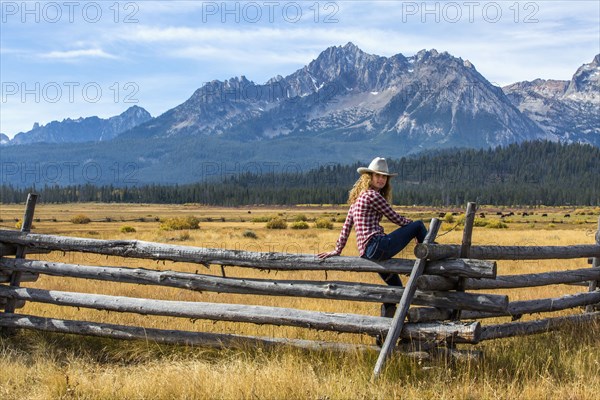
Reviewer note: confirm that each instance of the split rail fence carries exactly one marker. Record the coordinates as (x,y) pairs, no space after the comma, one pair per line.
(443,287)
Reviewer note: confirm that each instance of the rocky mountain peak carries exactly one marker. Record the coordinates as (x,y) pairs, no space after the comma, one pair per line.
(127,120)
(237,82)
(585,84)
(347,52)
(134,111)
(565,110)
(426,55)
(275,79)
(90,129)
(548,88)
(430,98)
(338,60)
(352,47)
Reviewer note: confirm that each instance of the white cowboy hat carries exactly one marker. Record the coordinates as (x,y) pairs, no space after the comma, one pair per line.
(378,165)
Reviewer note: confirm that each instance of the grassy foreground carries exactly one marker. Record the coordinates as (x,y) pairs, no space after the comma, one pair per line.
(558,365)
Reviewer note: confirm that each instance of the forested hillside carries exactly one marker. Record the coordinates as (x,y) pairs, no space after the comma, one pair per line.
(530,173)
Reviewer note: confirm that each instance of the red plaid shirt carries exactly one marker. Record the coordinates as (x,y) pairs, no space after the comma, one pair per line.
(366,214)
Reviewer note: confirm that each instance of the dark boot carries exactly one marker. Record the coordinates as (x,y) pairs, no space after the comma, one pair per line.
(388,310)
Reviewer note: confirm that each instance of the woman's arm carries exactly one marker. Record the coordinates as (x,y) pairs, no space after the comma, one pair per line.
(342,239)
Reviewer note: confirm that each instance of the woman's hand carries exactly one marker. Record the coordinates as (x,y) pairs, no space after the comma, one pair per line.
(327,254)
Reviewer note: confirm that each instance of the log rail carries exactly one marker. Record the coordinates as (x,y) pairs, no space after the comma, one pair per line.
(30,270)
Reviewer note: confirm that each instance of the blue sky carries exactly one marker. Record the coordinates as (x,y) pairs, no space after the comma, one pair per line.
(70,59)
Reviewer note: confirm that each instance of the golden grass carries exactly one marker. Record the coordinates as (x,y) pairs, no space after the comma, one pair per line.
(559,365)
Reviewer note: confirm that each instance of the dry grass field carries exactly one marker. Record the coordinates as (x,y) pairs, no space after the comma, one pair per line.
(557,365)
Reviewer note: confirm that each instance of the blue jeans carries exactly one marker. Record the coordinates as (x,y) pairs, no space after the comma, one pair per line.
(384,247)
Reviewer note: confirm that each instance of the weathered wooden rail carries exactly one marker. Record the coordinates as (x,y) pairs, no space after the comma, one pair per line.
(444,282)
(516,309)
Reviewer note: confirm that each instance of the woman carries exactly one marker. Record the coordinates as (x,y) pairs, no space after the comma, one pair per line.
(369,201)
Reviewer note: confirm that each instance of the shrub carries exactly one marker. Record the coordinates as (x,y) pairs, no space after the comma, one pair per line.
(80,219)
(449,218)
(180,223)
(299,225)
(128,229)
(260,219)
(497,224)
(323,223)
(277,223)
(250,234)
(480,222)
(301,218)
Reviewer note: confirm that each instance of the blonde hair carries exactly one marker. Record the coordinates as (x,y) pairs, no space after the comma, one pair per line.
(364,183)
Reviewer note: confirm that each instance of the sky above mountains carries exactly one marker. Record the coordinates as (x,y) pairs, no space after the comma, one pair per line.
(81,58)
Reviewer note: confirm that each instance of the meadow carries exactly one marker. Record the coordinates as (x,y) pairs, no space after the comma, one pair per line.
(34,365)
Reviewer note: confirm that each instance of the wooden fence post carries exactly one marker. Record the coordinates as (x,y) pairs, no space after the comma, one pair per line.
(15,277)
(595,264)
(407,296)
(465,248)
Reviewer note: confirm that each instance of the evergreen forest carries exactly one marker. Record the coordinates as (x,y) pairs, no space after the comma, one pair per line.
(529,173)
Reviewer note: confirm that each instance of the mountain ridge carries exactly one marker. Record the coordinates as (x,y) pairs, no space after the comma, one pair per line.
(430,99)
(344,106)
(567,111)
(427,100)
(88,129)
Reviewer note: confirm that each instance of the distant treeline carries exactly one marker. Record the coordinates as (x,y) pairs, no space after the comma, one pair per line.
(531,173)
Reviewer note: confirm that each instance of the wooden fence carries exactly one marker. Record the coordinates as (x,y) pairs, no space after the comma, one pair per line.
(444,283)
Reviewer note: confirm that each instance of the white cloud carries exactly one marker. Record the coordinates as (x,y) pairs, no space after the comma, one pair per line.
(78,54)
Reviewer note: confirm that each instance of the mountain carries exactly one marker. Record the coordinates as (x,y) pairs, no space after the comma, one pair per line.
(4,139)
(345,106)
(568,111)
(430,100)
(91,129)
